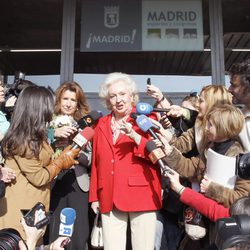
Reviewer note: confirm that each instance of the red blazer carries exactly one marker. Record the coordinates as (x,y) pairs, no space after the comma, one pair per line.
(122,175)
(208,207)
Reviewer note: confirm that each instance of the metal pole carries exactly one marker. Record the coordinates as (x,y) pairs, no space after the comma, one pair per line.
(68,41)
(217,42)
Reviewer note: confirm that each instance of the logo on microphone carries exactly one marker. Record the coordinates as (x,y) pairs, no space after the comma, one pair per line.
(89,120)
(155,155)
(143,121)
(79,140)
(66,231)
(143,107)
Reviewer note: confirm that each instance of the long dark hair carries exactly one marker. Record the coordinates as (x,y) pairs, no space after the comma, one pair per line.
(33,110)
(82,104)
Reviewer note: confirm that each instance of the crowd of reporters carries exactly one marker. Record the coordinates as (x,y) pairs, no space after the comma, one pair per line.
(138,151)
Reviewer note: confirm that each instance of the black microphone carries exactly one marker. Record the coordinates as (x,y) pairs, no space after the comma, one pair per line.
(155,155)
(161,110)
(89,119)
(134,115)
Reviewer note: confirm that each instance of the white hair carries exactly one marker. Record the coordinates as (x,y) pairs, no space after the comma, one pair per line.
(113,78)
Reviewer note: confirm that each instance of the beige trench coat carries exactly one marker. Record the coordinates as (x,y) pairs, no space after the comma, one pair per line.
(31,185)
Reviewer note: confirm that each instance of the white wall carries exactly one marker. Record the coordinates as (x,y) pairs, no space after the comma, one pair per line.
(91,82)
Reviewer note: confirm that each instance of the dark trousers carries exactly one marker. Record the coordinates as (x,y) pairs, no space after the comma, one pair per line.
(66,193)
(171,234)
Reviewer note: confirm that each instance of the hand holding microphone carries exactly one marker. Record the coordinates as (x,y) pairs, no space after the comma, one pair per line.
(145,124)
(67,158)
(173,110)
(155,155)
(166,133)
(59,243)
(66,228)
(144,108)
(64,161)
(177,111)
(86,121)
(163,143)
(175,184)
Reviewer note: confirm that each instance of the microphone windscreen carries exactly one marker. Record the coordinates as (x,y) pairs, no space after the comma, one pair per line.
(144,108)
(83,137)
(68,216)
(150,145)
(87,133)
(67,219)
(144,123)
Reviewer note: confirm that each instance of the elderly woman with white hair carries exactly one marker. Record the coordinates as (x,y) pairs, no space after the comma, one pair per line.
(124,184)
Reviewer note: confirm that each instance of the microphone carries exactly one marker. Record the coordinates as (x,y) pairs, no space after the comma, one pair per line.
(155,155)
(145,124)
(82,137)
(134,115)
(146,109)
(67,219)
(89,119)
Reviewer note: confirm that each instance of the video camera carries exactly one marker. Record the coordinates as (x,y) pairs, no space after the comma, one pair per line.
(15,88)
(233,232)
(243,166)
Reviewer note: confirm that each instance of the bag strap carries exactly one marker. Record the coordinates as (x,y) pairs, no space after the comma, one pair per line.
(99,219)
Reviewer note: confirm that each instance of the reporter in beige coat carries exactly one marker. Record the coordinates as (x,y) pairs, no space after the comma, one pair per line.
(28,153)
(194,168)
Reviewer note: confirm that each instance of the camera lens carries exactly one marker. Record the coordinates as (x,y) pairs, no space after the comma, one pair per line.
(243,166)
(9,239)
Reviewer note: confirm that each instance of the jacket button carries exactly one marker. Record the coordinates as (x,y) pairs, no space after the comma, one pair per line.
(112,172)
(112,161)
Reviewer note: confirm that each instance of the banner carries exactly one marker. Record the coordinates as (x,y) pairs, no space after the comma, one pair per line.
(111,25)
(135,25)
(172,25)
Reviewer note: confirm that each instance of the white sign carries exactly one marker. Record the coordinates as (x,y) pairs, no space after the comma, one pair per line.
(172,25)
